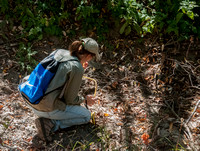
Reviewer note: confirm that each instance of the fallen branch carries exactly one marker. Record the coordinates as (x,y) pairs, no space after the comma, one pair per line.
(194,87)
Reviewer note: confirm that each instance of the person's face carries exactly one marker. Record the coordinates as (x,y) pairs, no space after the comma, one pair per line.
(86,58)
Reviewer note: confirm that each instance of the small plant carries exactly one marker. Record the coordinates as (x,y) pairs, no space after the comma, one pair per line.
(25,57)
(82,146)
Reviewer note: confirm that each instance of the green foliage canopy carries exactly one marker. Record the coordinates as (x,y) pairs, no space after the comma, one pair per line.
(170,17)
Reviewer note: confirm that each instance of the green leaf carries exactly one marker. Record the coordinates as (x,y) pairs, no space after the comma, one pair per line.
(183,10)
(5,125)
(128,30)
(194,29)
(40,37)
(121,31)
(28,11)
(33,53)
(62,4)
(172,29)
(137,27)
(178,17)
(35,30)
(190,14)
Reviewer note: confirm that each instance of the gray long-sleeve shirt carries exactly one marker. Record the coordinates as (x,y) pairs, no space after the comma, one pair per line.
(69,74)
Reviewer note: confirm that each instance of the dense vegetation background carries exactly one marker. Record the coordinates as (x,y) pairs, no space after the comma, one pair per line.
(32,20)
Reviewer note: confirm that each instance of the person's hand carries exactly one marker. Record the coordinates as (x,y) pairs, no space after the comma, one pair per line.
(85,65)
(90,100)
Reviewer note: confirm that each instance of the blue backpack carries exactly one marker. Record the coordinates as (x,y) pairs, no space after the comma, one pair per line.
(35,87)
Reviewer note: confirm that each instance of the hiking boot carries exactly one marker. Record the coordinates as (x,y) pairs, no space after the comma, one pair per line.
(44,128)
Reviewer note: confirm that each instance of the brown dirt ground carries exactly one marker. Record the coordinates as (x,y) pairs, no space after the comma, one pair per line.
(144,89)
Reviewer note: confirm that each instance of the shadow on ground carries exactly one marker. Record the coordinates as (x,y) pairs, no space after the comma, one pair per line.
(82,137)
(166,92)
(169,131)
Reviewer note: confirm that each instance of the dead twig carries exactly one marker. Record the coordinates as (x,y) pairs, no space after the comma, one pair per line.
(188,120)
(186,70)
(171,42)
(179,133)
(156,128)
(194,87)
(4,55)
(186,128)
(187,73)
(188,49)
(196,67)
(190,137)
(172,111)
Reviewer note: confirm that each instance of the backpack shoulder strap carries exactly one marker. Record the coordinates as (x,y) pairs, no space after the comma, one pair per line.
(63,90)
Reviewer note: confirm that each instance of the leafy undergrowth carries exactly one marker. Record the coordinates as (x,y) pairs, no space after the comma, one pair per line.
(147,99)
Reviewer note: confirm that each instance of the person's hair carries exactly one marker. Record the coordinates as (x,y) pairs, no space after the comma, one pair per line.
(75,51)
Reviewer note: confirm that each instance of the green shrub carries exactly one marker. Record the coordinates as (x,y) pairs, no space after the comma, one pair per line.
(137,16)
(176,16)
(166,17)
(25,57)
(36,17)
(93,16)
(179,17)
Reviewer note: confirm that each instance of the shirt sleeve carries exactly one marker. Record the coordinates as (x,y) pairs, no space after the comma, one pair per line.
(74,82)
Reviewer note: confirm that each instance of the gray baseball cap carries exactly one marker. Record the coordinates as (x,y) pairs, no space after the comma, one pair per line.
(92,46)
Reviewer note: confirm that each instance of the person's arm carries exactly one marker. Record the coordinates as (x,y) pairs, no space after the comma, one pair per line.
(75,78)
